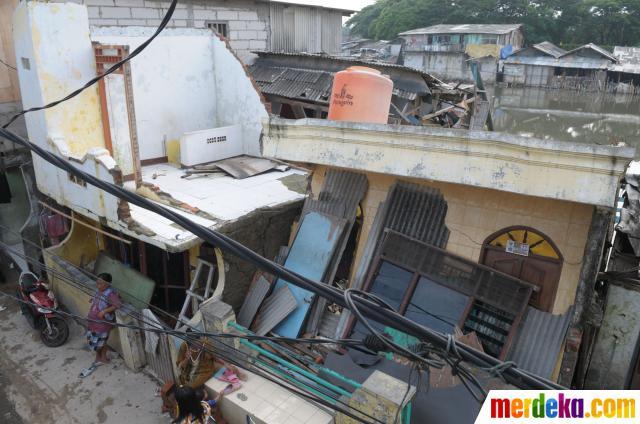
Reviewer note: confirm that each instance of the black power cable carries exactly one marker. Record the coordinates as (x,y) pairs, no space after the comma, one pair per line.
(112,69)
(194,336)
(372,310)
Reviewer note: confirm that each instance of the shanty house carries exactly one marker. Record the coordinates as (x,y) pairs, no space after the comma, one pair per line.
(147,128)
(546,65)
(524,67)
(298,85)
(248,25)
(481,232)
(443,50)
(624,76)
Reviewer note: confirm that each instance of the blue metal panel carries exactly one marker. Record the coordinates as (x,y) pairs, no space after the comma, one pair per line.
(310,256)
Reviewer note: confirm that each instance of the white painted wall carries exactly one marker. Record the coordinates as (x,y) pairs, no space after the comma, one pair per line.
(186,80)
(119,123)
(55,57)
(238,99)
(173,83)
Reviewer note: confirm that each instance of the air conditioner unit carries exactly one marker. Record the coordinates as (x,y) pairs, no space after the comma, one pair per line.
(210,145)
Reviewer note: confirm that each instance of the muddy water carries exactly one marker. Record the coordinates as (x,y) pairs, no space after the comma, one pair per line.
(567,115)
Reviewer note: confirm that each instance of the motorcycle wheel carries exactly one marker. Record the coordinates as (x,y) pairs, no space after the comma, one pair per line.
(58,335)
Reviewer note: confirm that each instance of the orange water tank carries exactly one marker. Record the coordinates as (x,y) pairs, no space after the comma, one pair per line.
(360,94)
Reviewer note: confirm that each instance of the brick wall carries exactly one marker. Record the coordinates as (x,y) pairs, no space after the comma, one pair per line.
(475,213)
(247,21)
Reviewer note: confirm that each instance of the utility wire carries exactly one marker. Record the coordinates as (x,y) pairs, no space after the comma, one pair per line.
(90,291)
(193,337)
(7,65)
(370,309)
(112,69)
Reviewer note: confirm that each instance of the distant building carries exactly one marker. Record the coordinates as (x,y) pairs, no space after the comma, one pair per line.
(443,50)
(546,65)
(625,75)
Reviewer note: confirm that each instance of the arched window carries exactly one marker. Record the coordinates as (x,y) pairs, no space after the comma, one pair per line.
(529,255)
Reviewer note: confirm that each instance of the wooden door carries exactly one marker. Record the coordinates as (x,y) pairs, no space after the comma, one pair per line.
(541,267)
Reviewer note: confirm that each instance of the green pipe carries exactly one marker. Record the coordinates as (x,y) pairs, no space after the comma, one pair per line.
(296,382)
(295,368)
(321,368)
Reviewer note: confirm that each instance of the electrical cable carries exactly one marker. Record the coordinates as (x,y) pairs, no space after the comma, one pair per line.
(163,23)
(465,376)
(193,337)
(89,291)
(7,65)
(514,375)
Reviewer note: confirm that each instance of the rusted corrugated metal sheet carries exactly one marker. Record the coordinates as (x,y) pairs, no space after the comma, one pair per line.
(254,298)
(539,341)
(274,309)
(550,49)
(340,194)
(417,212)
(303,84)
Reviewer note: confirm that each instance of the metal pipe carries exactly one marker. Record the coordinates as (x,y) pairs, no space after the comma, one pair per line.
(295,368)
(319,367)
(296,382)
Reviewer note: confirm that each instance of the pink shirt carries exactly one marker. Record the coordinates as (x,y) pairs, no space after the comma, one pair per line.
(112,299)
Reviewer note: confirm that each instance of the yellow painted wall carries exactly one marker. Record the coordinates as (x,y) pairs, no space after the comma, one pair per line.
(79,247)
(475,213)
(9,88)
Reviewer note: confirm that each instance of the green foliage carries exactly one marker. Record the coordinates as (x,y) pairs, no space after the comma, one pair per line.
(606,22)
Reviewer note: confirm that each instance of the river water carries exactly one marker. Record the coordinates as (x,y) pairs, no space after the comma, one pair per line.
(567,115)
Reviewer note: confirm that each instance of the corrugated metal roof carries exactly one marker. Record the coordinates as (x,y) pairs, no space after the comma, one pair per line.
(465,29)
(562,62)
(594,48)
(314,3)
(550,49)
(300,84)
(303,84)
(274,309)
(539,341)
(351,61)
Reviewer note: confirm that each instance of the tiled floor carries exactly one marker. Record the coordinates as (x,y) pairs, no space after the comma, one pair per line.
(268,403)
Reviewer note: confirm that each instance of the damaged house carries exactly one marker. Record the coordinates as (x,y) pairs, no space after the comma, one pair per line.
(472,232)
(491,238)
(146,128)
(298,85)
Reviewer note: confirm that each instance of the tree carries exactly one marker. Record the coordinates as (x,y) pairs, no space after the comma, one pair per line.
(569,22)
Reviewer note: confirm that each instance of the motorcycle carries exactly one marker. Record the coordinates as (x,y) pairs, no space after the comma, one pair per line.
(40,310)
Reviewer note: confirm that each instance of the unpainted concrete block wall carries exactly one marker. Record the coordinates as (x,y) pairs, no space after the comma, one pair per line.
(263,232)
(247,21)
